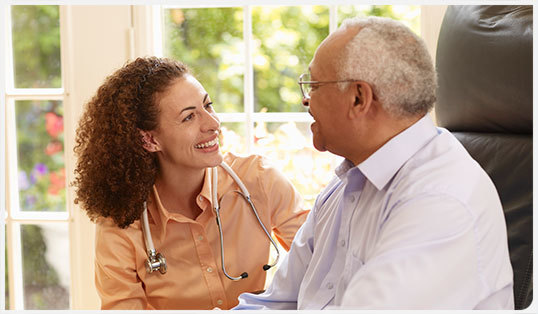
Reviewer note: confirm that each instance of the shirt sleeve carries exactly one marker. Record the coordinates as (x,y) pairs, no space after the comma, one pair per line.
(284,202)
(116,279)
(283,292)
(427,248)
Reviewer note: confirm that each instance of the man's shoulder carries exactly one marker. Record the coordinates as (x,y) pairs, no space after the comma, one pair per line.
(443,166)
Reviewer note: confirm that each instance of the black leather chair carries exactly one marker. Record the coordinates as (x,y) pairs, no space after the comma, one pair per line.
(484,63)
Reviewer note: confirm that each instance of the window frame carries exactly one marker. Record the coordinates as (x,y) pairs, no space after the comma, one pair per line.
(13,218)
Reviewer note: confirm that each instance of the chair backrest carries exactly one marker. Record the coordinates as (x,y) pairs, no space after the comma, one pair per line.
(484,63)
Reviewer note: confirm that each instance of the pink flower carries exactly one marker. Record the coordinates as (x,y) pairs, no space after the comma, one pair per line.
(57,181)
(54,124)
(53,147)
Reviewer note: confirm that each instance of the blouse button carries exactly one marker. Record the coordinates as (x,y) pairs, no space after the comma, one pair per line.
(209,269)
(219,302)
(200,238)
(330,286)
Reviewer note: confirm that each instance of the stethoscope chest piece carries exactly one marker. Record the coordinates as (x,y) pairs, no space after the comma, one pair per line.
(156,261)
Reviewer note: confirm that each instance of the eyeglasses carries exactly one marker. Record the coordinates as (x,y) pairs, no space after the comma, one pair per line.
(306,84)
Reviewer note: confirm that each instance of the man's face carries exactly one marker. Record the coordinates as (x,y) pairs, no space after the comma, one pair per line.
(328,104)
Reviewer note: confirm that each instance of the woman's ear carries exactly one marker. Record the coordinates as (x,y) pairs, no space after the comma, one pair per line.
(363,96)
(149,142)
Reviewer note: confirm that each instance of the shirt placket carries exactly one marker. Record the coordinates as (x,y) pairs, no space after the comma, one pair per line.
(207,260)
(347,206)
(352,197)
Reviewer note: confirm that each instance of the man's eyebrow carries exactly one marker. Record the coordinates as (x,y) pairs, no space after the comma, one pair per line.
(192,107)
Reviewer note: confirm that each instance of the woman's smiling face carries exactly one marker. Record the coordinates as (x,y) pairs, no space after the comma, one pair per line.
(188,128)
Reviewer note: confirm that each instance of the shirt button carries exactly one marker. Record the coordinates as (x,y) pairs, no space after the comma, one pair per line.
(343,242)
(209,269)
(330,286)
(219,302)
(200,238)
(352,199)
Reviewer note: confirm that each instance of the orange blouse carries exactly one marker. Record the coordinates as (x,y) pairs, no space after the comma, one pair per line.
(194,279)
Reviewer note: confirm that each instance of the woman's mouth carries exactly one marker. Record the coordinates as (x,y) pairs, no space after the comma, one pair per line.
(208,144)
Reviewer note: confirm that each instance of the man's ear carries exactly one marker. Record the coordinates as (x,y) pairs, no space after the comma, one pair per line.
(150,144)
(363,96)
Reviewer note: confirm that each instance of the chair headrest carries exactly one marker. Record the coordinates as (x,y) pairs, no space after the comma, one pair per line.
(484,65)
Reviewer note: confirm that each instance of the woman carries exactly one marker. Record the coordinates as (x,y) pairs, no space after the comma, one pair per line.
(149,137)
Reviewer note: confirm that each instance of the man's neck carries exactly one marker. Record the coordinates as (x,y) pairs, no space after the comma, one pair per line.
(379,133)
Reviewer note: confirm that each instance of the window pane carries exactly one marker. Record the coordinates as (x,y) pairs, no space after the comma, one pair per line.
(210,42)
(285,39)
(36,46)
(289,147)
(407,14)
(45,256)
(233,138)
(40,150)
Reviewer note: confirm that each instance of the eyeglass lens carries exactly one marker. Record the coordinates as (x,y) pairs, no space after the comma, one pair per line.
(306,88)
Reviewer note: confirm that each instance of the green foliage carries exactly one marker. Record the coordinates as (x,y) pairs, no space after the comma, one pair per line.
(37,271)
(286,38)
(409,14)
(210,41)
(36,46)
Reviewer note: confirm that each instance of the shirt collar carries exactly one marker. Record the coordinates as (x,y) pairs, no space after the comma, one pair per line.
(383,164)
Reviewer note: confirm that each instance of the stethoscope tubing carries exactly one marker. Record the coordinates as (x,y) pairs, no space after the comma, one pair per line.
(156,261)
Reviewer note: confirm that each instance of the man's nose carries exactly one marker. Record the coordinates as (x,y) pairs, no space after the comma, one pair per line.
(306,101)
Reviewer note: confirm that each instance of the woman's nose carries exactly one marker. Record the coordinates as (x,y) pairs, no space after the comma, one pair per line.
(211,122)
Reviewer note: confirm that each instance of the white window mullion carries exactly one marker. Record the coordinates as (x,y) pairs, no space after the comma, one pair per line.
(333,18)
(16,288)
(34,217)
(11,147)
(9,50)
(36,93)
(248,80)
(158,35)
(3,182)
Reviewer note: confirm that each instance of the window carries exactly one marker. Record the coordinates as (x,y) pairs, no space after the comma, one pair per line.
(249,59)
(37,217)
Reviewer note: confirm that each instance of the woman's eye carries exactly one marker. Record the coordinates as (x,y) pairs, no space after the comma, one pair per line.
(189,117)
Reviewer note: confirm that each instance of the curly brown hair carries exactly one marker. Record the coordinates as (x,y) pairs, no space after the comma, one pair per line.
(114,173)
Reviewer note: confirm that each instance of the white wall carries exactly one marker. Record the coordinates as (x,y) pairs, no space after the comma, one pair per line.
(95,42)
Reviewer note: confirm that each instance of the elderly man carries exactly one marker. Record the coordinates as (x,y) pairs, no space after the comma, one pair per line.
(411,221)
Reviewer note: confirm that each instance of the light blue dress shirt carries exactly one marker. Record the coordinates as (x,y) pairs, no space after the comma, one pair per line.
(418,225)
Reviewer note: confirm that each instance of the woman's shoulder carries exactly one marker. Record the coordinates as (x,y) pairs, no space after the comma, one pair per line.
(246,162)
(106,227)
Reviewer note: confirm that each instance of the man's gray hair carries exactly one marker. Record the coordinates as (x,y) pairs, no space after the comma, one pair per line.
(393,60)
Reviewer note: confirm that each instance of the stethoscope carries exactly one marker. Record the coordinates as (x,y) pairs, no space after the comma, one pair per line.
(156,261)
